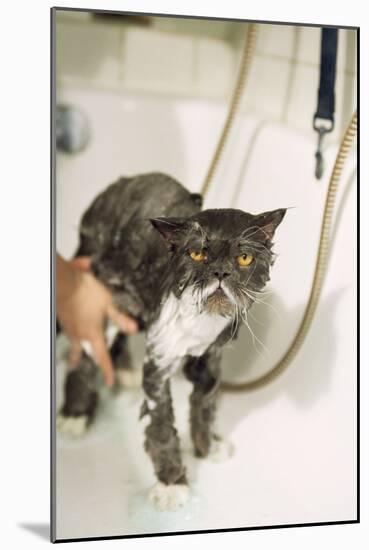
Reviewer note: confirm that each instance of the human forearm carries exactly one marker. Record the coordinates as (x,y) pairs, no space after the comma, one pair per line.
(67,279)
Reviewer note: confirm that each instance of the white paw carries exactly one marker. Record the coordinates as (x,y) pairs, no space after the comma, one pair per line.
(220,450)
(75,426)
(129,378)
(168,497)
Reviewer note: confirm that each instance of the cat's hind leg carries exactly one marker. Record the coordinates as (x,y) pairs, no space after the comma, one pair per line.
(126,375)
(80,398)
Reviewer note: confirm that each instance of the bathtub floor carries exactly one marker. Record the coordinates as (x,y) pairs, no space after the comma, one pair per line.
(295,439)
(294,459)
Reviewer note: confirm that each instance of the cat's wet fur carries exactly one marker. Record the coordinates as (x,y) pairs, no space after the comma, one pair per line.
(127,254)
(140,233)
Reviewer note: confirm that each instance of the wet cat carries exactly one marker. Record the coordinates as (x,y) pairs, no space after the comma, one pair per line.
(189,277)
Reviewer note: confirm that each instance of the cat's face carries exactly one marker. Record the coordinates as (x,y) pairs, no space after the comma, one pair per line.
(223,256)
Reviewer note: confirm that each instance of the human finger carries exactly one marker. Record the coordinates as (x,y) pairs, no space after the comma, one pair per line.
(126,323)
(83,263)
(102,358)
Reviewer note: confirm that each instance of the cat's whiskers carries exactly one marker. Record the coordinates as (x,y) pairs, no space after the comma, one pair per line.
(262,292)
(257,300)
(253,335)
(245,234)
(259,245)
(246,301)
(235,322)
(257,228)
(256,320)
(252,272)
(203,234)
(228,292)
(197,292)
(254,247)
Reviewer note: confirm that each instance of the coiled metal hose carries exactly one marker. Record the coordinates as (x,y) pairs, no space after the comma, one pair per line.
(324,242)
(319,273)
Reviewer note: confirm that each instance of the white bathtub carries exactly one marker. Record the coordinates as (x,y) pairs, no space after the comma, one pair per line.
(295,440)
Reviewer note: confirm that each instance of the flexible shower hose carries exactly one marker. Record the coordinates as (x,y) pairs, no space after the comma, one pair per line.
(319,273)
(324,241)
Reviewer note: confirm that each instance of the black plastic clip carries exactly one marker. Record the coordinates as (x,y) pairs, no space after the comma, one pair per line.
(322,130)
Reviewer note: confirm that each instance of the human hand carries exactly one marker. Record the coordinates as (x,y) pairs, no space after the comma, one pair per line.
(83,305)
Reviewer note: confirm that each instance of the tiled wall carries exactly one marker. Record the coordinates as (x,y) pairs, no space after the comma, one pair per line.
(285,75)
(130,58)
(282,84)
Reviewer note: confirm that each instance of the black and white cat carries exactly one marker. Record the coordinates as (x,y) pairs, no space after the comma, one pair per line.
(189,277)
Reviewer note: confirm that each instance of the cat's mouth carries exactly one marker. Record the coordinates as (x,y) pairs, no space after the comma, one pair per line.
(218,303)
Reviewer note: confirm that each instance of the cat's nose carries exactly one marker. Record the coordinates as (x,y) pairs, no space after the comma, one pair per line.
(221,274)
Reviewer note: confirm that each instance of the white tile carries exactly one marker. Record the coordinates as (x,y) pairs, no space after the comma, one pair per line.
(214,69)
(304,95)
(346,57)
(352,46)
(69,15)
(346,100)
(308,49)
(343,104)
(237,36)
(341,53)
(194,27)
(266,87)
(157,61)
(309,42)
(87,52)
(275,40)
(347,47)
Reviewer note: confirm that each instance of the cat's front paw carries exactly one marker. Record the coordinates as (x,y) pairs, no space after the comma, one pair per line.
(74,426)
(221,449)
(169,497)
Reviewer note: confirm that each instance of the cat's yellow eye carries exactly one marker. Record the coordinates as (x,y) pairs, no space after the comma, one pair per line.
(197,256)
(245,259)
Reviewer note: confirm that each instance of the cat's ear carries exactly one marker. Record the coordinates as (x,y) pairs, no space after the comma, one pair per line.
(197,199)
(268,222)
(172,229)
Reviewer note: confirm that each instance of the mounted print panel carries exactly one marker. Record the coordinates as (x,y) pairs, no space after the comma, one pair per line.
(205,354)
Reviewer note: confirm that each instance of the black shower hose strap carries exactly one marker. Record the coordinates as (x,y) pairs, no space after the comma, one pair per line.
(324,117)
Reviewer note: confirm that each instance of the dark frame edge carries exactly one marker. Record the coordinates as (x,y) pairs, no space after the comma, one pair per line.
(52,279)
(358,273)
(53,538)
(206,531)
(208,18)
